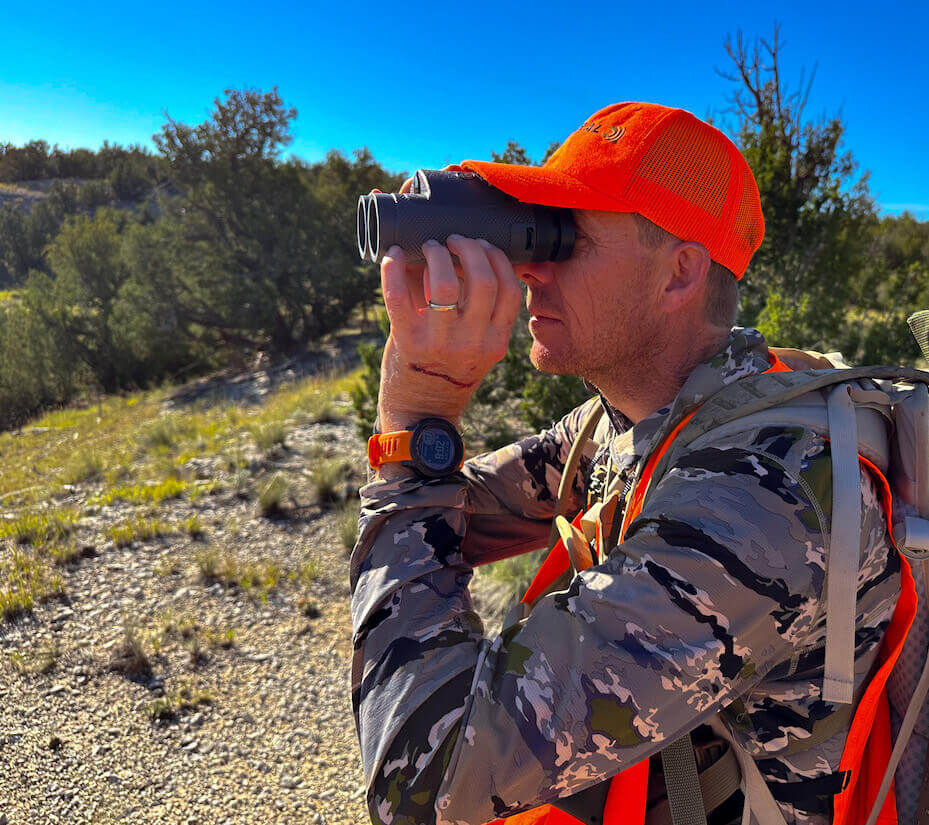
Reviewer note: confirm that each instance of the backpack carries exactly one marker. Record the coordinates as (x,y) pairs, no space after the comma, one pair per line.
(879,415)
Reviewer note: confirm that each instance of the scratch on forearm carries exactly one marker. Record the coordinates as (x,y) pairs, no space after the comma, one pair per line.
(453,381)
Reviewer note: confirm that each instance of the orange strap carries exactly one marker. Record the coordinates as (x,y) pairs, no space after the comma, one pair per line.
(384,447)
(868,746)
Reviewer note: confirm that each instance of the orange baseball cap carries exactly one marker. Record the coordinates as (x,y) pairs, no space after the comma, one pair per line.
(669,166)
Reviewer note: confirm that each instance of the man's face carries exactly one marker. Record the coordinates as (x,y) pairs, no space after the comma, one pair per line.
(594,314)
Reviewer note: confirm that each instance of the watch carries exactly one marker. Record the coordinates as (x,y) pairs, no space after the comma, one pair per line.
(433,448)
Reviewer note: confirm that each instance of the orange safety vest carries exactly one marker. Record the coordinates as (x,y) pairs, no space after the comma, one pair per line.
(869,742)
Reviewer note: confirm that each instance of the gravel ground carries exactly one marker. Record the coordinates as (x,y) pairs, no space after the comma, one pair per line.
(266,732)
(276,740)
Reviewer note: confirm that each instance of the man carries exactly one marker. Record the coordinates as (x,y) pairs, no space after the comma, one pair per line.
(712,601)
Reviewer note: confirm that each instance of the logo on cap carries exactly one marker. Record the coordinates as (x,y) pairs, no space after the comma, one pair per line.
(614,134)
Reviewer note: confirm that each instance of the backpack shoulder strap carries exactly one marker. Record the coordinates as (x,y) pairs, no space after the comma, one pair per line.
(764,391)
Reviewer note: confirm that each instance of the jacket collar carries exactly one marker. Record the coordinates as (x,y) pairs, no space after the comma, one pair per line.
(744,353)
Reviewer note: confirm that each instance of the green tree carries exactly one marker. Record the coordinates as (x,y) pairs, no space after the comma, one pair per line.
(89,271)
(28,162)
(36,370)
(336,184)
(816,211)
(255,264)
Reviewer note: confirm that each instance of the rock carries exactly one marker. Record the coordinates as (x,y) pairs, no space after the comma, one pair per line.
(290,782)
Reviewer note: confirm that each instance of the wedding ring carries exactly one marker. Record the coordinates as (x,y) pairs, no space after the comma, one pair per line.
(442,307)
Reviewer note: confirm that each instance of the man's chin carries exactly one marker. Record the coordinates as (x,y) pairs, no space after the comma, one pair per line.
(553,363)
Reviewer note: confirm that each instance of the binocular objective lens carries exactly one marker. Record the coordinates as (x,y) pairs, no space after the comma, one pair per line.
(361,229)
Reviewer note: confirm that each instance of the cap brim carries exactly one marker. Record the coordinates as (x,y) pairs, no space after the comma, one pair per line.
(544,186)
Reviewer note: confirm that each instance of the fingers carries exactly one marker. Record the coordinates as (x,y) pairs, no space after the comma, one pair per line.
(395,287)
(509,292)
(480,282)
(440,283)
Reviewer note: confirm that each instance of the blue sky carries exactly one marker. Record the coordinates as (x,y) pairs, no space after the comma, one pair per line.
(423,84)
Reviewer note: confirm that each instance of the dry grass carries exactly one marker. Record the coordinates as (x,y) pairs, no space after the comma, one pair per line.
(39,661)
(130,656)
(194,528)
(268,434)
(272,496)
(347,524)
(25,581)
(198,639)
(139,529)
(171,488)
(226,568)
(328,475)
(84,465)
(39,527)
(126,439)
(183,699)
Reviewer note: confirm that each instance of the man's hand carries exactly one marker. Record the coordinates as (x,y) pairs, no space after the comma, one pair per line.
(434,361)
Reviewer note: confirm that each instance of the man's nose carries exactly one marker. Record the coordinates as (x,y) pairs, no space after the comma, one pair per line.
(535,273)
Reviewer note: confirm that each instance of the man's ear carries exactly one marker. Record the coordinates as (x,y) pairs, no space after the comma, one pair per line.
(687,266)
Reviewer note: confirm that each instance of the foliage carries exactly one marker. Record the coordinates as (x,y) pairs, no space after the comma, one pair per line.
(260,258)
(829,274)
(36,160)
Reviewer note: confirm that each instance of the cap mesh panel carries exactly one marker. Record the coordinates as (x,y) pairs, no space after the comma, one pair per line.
(748,217)
(688,159)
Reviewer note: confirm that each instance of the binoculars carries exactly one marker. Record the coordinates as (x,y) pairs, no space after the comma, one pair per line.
(440,204)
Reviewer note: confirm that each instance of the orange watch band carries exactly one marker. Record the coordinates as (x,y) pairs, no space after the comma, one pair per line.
(387,447)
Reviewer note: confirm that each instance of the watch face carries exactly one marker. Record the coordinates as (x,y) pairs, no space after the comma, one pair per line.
(436,449)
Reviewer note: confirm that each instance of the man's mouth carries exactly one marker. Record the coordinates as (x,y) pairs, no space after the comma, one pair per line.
(536,315)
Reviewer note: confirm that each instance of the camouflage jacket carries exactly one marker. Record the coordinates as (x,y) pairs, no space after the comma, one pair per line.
(713,601)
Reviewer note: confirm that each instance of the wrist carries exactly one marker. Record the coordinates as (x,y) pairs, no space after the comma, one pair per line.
(392,419)
(410,392)
(432,449)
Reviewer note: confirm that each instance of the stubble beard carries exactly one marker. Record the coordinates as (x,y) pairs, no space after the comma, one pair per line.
(623,361)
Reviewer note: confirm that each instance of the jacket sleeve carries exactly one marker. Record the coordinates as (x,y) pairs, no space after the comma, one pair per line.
(511,493)
(719,579)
